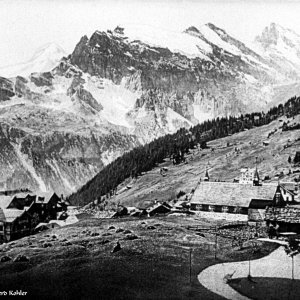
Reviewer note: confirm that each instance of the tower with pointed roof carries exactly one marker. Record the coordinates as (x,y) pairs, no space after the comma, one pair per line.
(206,177)
(256,180)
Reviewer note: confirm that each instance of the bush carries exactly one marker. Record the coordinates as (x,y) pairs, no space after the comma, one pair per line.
(21,258)
(180,194)
(5,258)
(46,245)
(131,237)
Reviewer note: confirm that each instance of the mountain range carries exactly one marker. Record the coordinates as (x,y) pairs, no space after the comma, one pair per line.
(62,118)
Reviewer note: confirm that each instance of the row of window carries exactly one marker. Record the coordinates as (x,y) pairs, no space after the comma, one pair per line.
(218,208)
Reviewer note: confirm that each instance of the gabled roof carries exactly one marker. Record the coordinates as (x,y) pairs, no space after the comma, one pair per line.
(11,215)
(19,201)
(156,206)
(231,194)
(290,187)
(5,201)
(288,214)
(44,197)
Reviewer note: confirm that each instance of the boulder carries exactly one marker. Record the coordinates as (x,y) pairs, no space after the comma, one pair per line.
(116,248)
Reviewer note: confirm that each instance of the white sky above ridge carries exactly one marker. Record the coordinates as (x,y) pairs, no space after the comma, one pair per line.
(26,25)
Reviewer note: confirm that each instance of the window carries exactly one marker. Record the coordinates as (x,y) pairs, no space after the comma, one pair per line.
(225,209)
(211,208)
(199,207)
(1,227)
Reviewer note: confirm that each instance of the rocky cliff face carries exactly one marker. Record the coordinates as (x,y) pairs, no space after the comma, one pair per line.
(116,91)
(53,139)
(226,78)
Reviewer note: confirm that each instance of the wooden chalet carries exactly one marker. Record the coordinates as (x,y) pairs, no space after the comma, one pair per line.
(14,223)
(159,208)
(20,213)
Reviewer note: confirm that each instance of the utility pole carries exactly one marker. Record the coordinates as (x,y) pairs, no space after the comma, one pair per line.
(249,275)
(216,243)
(190,265)
(292,267)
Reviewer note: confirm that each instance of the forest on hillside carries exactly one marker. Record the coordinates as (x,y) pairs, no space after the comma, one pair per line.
(174,146)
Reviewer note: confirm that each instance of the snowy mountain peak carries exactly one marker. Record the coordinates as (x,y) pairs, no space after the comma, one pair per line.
(213,27)
(51,50)
(275,34)
(281,46)
(43,60)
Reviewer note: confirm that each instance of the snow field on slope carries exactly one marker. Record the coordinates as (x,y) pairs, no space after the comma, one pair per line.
(116,100)
(175,41)
(44,59)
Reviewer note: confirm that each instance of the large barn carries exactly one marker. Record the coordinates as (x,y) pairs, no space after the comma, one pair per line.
(248,197)
(231,197)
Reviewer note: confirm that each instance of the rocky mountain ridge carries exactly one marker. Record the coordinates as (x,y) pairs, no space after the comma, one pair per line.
(116,92)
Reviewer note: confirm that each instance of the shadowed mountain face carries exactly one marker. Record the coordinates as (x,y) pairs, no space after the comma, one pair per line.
(120,89)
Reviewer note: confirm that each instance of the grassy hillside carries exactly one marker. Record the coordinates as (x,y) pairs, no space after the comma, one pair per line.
(75,262)
(146,158)
(230,154)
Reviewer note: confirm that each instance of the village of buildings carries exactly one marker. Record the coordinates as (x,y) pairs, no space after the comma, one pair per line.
(24,213)
(247,199)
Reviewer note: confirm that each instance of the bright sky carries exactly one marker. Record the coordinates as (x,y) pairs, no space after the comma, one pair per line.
(26,25)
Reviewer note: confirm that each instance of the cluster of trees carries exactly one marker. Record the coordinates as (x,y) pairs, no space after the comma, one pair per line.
(173,146)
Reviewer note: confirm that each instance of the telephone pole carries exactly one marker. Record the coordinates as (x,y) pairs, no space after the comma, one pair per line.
(216,242)
(190,265)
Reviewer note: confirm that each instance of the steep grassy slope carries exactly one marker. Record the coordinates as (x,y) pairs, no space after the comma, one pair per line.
(224,159)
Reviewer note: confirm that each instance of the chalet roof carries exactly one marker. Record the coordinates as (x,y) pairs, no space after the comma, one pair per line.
(231,194)
(45,195)
(58,222)
(156,206)
(23,195)
(5,201)
(287,214)
(42,225)
(289,186)
(19,201)
(11,214)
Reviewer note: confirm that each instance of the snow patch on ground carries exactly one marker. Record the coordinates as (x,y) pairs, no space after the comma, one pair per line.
(173,118)
(200,115)
(108,156)
(116,100)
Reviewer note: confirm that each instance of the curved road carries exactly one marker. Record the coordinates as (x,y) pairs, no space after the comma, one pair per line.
(277,264)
